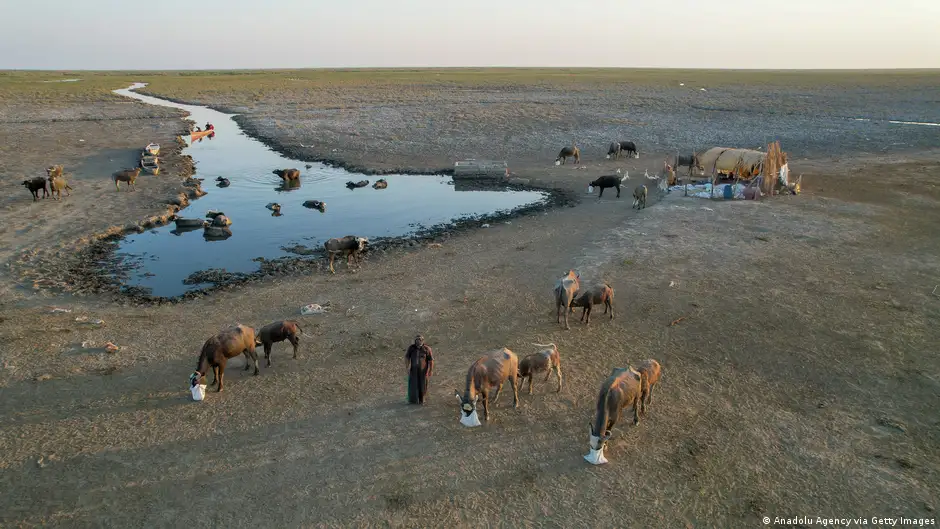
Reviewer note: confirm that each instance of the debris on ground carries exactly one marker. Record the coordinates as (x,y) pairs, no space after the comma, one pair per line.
(435,245)
(42,378)
(84,319)
(55,310)
(315,308)
(485,226)
(111,348)
(676,321)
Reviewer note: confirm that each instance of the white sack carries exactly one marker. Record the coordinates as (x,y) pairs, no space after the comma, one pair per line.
(199,391)
(470,420)
(596,457)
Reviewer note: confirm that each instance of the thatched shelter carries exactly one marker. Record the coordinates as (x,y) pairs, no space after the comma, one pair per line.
(745,164)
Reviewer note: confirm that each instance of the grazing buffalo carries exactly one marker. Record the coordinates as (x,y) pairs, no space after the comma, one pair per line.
(608,181)
(354,185)
(228,343)
(490,370)
(567,152)
(691,161)
(349,245)
(628,147)
(278,332)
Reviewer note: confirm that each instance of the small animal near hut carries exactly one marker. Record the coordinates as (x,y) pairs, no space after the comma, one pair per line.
(596,295)
(639,197)
(356,185)
(279,331)
(621,390)
(649,371)
(547,360)
(54,171)
(287,174)
(565,291)
(227,344)
(491,370)
(128,176)
(608,181)
(568,152)
(349,245)
(381,183)
(35,184)
(58,184)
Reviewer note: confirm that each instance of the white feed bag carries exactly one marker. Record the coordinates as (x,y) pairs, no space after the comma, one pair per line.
(470,420)
(596,457)
(199,391)
(557,162)
(590,189)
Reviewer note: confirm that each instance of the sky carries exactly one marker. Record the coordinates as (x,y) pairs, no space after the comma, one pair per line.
(233,34)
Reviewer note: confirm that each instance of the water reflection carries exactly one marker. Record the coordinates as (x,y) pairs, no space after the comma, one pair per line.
(409,203)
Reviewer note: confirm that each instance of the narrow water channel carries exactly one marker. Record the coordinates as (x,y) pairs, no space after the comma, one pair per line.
(161,259)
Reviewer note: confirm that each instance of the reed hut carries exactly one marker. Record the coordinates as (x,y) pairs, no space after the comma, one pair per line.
(759,168)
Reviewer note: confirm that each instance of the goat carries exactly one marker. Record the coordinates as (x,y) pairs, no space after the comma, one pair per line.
(279,331)
(547,360)
(565,291)
(490,370)
(56,185)
(608,181)
(354,185)
(54,171)
(381,183)
(639,197)
(563,155)
(287,174)
(600,293)
(222,182)
(621,389)
(315,204)
(126,175)
(649,371)
(35,184)
(228,343)
(350,245)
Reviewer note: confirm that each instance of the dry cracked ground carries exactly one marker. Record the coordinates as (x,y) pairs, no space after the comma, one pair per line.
(797,334)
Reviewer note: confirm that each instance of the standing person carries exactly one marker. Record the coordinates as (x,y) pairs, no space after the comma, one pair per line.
(420,363)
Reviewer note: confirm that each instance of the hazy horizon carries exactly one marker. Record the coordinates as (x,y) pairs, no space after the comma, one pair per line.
(360,34)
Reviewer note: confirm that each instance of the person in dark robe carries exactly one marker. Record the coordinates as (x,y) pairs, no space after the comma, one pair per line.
(419,363)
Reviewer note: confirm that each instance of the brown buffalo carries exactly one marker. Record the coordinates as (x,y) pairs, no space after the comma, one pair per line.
(228,343)
(278,332)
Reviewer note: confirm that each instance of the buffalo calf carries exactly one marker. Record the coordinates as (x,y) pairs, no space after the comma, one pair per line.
(279,331)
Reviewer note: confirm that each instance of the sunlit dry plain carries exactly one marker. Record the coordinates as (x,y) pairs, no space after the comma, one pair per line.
(797,333)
